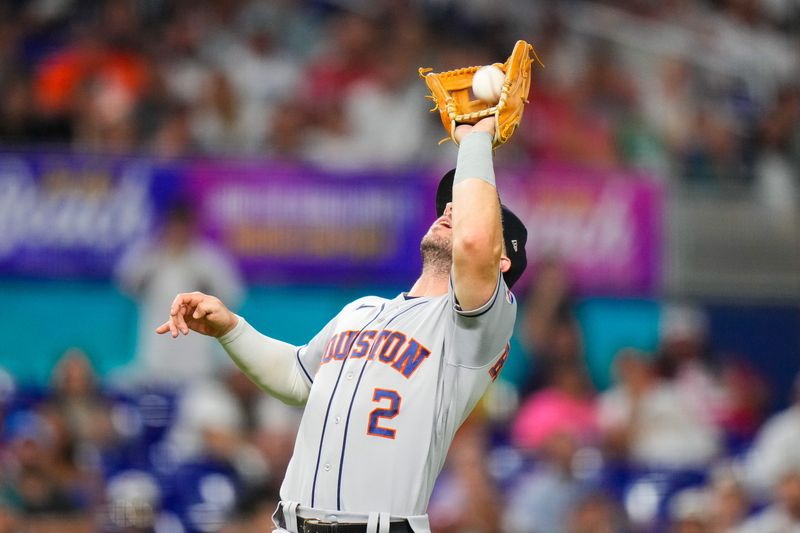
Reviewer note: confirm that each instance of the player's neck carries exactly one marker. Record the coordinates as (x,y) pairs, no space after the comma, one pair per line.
(430,283)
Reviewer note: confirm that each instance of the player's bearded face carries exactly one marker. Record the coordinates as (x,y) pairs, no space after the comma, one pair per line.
(437,247)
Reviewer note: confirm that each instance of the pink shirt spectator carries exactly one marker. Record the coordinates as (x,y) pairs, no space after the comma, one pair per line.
(552,411)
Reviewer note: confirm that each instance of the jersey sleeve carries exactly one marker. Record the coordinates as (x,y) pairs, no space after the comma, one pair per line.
(309,355)
(479,336)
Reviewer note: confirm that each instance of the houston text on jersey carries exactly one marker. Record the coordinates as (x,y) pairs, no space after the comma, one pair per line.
(387,346)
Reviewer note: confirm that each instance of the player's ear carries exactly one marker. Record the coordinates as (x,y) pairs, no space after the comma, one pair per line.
(505,263)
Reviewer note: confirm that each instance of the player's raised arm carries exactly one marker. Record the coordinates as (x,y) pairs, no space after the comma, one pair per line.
(477,232)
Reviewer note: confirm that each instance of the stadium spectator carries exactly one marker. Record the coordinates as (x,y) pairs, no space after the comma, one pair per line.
(184,70)
(275,430)
(777,165)
(689,511)
(728,501)
(17,125)
(668,103)
(80,415)
(711,159)
(550,332)
(253,77)
(726,392)
(77,397)
(209,426)
(217,465)
(112,75)
(746,398)
(30,483)
(648,420)
(270,425)
(260,72)
(685,360)
(222,122)
(253,513)
(775,449)
(541,501)
(390,96)
(287,138)
(466,499)
(596,513)
(572,128)
(177,260)
(689,110)
(782,516)
(133,500)
(350,56)
(566,406)
(172,138)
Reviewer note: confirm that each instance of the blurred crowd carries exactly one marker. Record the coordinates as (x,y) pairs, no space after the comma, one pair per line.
(80,457)
(683,440)
(703,92)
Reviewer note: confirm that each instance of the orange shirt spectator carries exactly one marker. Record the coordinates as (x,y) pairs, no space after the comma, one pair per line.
(61,75)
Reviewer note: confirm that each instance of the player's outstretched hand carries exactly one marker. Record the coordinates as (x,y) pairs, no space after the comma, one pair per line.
(485,124)
(198,312)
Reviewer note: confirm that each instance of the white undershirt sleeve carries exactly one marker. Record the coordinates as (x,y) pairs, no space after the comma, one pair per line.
(269,363)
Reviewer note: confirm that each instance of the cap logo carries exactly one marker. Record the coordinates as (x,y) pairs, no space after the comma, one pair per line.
(514,244)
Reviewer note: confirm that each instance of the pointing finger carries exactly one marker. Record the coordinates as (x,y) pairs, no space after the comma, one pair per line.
(172,328)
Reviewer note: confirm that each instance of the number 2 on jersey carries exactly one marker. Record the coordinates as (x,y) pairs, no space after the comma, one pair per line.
(394,407)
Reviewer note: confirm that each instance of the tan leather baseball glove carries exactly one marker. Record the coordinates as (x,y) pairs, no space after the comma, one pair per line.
(450,91)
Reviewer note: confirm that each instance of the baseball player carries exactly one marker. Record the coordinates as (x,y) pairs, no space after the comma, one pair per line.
(387,383)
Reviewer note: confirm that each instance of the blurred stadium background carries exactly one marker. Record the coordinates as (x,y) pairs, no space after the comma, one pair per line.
(280,154)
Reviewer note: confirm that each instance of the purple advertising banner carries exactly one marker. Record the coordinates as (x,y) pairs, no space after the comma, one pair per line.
(605,227)
(65,215)
(293,223)
(68,215)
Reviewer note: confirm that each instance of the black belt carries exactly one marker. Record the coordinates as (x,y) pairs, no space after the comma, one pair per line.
(312,525)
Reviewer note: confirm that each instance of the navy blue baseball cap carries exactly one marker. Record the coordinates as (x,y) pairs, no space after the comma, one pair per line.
(515,234)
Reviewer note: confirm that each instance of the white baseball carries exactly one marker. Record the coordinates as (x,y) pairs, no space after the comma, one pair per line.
(487,83)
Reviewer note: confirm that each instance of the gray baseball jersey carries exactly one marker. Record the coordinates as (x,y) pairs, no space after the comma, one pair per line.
(391,382)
